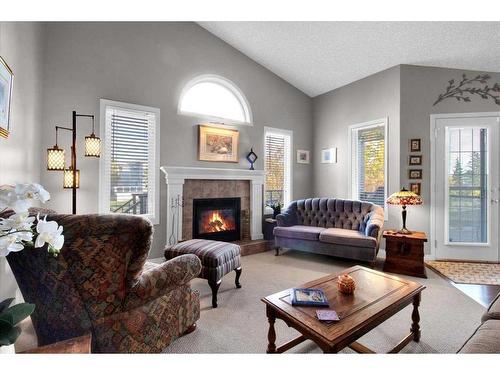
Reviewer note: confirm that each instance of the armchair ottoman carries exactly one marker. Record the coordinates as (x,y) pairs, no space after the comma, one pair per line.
(217,259)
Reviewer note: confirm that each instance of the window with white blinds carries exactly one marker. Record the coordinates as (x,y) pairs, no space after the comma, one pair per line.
(130,164)
(277,165)
(368,164)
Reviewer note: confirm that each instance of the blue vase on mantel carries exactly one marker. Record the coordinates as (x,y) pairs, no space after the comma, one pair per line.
(252,157)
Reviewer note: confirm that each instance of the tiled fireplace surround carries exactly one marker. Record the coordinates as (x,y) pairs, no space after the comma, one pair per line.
(194,189)
(187,183)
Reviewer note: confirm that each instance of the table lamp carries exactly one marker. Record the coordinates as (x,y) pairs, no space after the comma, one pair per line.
(404,198)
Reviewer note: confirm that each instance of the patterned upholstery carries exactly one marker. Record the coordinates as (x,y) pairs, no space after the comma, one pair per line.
(101,283)
(217,258)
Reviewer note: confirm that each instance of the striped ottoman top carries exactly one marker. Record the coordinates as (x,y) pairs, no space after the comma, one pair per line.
(211,253)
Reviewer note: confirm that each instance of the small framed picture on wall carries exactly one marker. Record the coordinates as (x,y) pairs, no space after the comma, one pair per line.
(415,145)
(415,187)
(303,157)
(415,160)
(415,174)
(329,155)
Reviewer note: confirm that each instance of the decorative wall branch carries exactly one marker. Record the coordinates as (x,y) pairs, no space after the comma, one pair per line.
(463,90)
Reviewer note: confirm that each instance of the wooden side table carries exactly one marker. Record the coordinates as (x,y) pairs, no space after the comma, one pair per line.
(404,253)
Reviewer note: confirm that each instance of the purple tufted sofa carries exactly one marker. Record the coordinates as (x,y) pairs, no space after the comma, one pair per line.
(329,226)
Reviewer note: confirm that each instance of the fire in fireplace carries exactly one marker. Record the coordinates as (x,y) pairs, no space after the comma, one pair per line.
(217,219)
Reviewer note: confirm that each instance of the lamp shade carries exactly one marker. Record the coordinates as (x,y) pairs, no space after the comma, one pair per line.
(68,178)
(405,198)
(55,159)
(92,145)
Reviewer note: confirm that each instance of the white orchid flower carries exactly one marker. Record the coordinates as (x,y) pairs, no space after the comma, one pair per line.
(49,232)
(32,191)
(10,243)
(17,230)
(7,196)
(18,222)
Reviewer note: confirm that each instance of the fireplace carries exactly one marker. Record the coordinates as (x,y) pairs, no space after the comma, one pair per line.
(217,219)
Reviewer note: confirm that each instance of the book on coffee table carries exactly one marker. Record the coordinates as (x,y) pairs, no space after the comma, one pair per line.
(309,297)
(327,316)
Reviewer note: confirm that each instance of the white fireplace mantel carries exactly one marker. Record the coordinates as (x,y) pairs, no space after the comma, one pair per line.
(175,177)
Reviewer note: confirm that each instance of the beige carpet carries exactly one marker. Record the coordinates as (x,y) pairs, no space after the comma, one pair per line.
(468,272)
(239,324)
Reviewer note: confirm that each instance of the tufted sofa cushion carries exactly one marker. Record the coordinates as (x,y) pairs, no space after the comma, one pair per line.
(347,237)
(301,232)
(334,213)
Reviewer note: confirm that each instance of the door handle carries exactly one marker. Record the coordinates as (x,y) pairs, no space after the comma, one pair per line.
(494,201)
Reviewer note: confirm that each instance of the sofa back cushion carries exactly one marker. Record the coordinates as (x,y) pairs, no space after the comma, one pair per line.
(334,213)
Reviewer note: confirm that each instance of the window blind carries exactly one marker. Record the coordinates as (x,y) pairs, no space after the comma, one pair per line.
(130,158)
(368,170)
(277,150)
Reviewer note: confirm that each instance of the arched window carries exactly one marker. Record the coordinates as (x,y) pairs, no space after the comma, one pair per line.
(215,98)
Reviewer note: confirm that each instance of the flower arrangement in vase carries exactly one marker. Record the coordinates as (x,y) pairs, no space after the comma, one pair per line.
(16,231)
(276,207)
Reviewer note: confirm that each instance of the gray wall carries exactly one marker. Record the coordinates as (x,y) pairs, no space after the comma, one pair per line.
(371,98)
(420,87)
(21,47)
(149,64)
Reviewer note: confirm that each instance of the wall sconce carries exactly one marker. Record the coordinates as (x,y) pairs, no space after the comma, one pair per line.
(68,178)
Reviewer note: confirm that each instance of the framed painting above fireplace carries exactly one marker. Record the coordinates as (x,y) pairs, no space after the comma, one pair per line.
(217,144)
(217,219)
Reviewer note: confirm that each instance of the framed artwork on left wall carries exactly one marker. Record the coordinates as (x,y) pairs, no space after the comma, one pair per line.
(6,79)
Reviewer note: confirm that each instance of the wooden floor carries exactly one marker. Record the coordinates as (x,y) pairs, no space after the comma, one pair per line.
(482,294)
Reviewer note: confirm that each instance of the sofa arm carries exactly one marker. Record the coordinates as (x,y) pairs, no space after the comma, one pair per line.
(374,224)
(286,219)
(158,281)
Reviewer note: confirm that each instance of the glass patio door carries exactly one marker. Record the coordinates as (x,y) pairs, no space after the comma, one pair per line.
(466,195)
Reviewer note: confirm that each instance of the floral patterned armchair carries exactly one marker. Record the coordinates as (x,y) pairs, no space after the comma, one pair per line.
(101,283)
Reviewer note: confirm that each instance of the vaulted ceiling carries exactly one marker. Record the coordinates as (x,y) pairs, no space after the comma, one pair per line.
(317,57)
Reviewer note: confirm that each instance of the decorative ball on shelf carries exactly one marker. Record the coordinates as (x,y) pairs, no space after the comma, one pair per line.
(346,284)
(252,157)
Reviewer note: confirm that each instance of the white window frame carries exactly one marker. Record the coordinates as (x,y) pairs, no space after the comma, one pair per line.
(226,83)
(353,184)
(104,182)
(288,183)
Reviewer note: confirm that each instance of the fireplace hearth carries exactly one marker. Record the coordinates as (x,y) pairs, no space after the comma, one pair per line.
(217,219)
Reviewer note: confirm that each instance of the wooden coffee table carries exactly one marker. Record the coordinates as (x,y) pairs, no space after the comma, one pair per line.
(377,297)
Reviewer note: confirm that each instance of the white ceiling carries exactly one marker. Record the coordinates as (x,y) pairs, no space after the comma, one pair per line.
(317,57)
